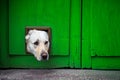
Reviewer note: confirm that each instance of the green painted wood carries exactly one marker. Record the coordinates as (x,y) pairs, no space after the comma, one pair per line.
(54,14)
(31,62)
(105,27)
(4,58)
(30,14)
(100,34)
(106,62)
(86,39)
(75,34)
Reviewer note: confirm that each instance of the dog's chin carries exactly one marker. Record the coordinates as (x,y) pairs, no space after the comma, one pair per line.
(47,57)
(39,59)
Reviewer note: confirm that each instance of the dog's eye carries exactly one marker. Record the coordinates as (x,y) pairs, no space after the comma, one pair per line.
(36,43)
(46,42)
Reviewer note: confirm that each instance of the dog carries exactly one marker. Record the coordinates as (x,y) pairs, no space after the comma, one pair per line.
(38,44)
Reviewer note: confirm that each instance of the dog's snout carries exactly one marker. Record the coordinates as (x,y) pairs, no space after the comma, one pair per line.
(44,55)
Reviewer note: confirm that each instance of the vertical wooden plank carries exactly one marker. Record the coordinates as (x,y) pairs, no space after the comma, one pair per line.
(86,39)
(4,58)
(75,34)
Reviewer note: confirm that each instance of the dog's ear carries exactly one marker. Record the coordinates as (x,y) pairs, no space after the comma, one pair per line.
(30,32)
(27,37)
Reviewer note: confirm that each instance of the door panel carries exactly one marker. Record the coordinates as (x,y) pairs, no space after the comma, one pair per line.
(54,14)
(30,62)
(103,62)
(105,27)
(4,58)
(100,34)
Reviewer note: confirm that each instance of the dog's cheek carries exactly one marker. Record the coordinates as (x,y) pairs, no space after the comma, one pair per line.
(31,48)
(47,47)
(35,46)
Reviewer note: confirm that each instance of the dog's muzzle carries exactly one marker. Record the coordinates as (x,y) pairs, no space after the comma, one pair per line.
(44,55)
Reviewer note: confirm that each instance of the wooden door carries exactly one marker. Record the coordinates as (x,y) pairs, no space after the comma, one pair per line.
(101,34)
(62,16)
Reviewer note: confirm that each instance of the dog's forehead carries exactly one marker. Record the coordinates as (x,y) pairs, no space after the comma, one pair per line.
(38,35)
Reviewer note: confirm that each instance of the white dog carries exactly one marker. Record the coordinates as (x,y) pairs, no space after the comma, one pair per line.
(38,44)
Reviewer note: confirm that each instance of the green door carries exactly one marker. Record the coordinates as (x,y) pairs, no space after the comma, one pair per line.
(85,33)
(101,34)
(59,15)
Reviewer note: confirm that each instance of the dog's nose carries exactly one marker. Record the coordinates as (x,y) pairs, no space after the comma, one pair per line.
(44,55)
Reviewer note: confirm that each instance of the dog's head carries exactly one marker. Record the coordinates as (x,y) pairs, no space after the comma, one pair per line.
(38,44)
